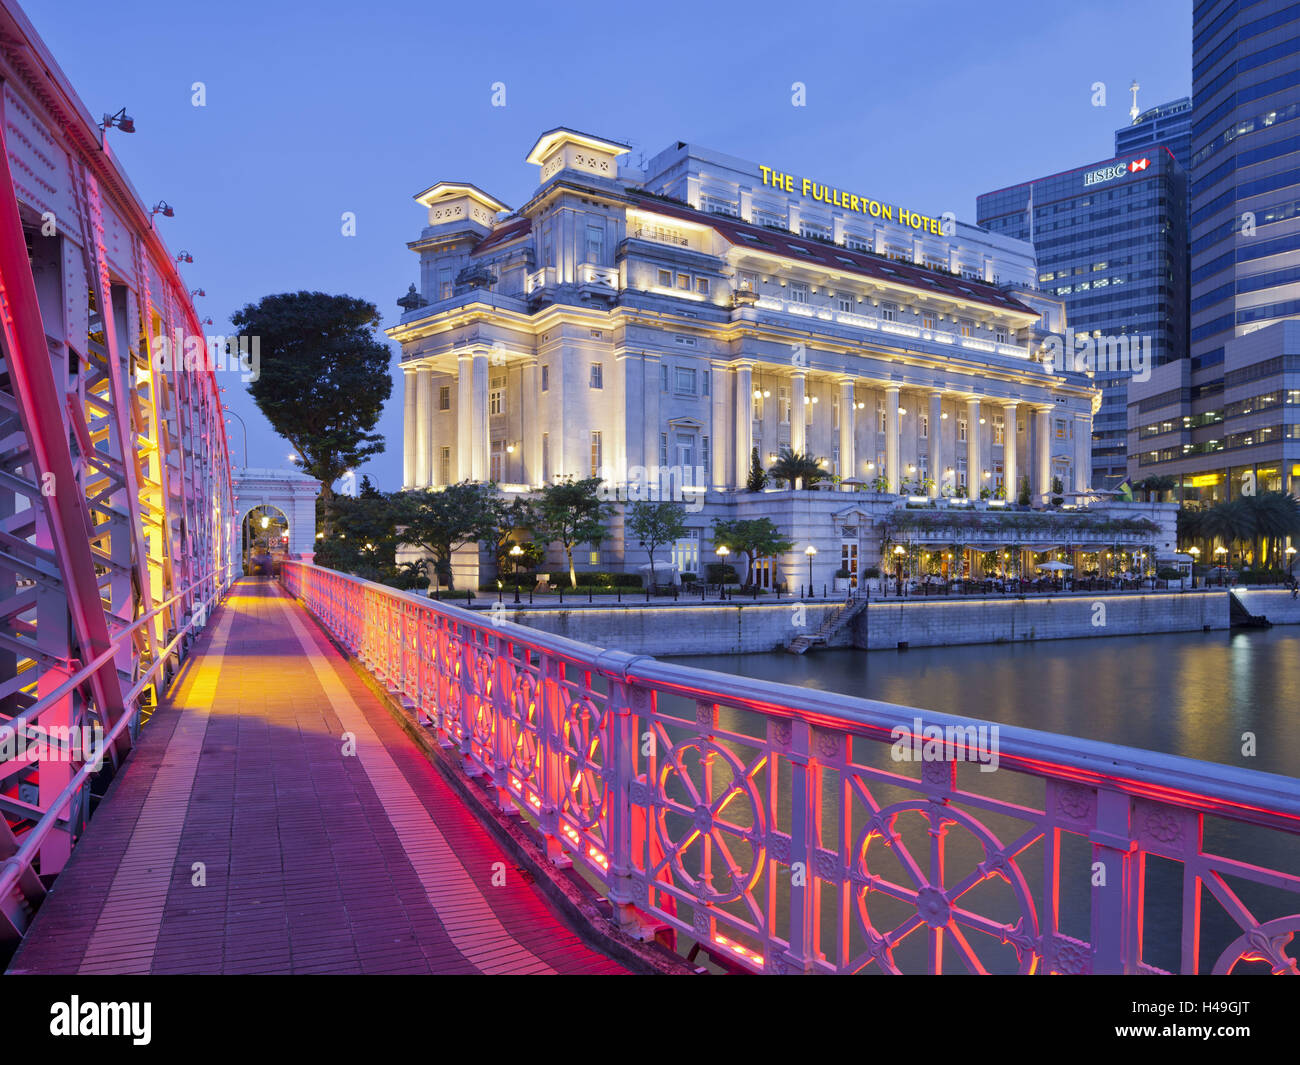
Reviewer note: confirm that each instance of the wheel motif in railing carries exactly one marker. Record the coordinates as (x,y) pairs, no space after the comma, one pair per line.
(735,817)
(936,895)
(482,708)
(1265,944)
(582,763)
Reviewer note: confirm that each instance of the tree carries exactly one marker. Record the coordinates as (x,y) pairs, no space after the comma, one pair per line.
(508,517)
(1155,485)
(444,522)
(1022,497)
(654,524)
(757,479)
(322,379)
(569,512)
(755,538)
(362,536)
(798,466)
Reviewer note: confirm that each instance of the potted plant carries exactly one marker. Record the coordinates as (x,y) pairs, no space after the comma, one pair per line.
(1057,489)
(880,483)
(843,579)
(986,493)
(1022,497)
(962,492)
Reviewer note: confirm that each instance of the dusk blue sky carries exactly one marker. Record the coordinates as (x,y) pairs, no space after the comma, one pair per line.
(321,108)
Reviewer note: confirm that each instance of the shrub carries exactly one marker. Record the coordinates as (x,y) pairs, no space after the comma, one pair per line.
(871,571)
(842,573)
(720,573)
(1168,573)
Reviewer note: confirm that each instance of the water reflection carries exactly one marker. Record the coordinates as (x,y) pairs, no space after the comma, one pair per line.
(1191,694)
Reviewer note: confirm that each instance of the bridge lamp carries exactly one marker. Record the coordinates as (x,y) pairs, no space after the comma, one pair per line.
(121,120)
(163,208)
(197,292)
(516,553)
(184,257)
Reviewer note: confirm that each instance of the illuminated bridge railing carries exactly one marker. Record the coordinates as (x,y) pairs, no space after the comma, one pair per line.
(791,830)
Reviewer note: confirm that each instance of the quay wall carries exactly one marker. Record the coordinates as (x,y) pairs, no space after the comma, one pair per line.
(741,628)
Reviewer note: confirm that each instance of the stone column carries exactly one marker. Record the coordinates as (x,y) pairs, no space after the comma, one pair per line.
(974,468)
(936,443)
(798,416)
(1042,479)
(1009,439)
(1082,452)
(464,416)
(531,433)
(480,443)
(408,427)
(744,417)
(848,461)
(891,438)
(423,469)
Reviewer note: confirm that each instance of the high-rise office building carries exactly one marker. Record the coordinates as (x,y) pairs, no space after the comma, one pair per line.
(1223,421)
(1111,239)
(1168,124)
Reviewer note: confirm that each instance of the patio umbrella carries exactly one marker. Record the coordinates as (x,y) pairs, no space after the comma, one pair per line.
(1055,566)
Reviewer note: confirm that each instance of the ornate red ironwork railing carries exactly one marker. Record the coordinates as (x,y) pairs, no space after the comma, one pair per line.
(792,830)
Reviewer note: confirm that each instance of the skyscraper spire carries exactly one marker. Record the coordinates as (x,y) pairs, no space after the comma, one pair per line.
(1133,111)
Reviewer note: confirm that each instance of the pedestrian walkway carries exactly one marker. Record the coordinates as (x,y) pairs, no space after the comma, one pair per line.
(274,818)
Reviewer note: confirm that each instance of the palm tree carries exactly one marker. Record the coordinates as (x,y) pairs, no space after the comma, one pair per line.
(797,466)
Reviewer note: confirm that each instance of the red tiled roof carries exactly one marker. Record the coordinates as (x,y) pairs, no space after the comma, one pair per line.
(516,228)
(836,258)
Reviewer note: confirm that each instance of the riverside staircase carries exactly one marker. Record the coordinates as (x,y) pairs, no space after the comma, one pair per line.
(835,620)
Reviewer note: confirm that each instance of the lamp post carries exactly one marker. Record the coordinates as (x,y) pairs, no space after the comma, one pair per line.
(1195,552)
(810,551)
(722,552)
(516,553)
(898,567)
(245,428)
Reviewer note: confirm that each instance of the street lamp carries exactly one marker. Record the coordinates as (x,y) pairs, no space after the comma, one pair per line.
(516,553)
(810,551)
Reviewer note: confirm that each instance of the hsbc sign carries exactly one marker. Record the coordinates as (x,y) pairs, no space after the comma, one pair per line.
(1116,170)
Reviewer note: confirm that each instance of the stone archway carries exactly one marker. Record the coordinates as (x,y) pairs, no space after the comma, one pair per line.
(290,492)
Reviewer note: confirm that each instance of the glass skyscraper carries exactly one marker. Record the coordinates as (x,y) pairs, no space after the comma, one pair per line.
(1169,124)
(1111,239)
(1228,420)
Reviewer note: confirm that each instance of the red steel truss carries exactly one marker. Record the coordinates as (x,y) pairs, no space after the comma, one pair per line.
(116,508)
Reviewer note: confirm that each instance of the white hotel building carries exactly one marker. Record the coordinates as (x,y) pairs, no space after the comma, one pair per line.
(625,320)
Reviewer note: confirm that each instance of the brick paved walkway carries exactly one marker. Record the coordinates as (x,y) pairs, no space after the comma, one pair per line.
(242,839)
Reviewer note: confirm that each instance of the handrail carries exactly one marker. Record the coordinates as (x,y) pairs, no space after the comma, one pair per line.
(21,860)
(592,743)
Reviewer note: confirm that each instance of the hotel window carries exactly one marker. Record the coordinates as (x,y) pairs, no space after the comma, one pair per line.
(444,398)
(597,375)
(496,459)
(704,453)
(808,405)
(999,429)
(927,319)
(961,471)
(835,460)
(546,457)
(999,476)
(783,404)
(844,302)
(702,285)
(684,379)
(548,252)
(923,423)
(758,406)
(961,428)
(595,454)
(595,244)
(880,417)
(546,378)
(747,282)
(704,383)
(798,292)
(444,466)
(1060,428)
(889,312)
(686,552)
(684,282)
(665,279)
(593,556)
(663,377)
(966,327)
(444,283)
(857,243)
(663,449)
(835,412)
(497,396)
(1000,334)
